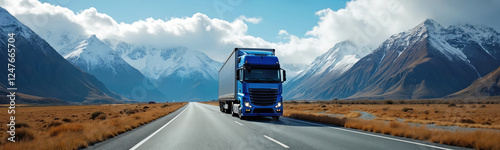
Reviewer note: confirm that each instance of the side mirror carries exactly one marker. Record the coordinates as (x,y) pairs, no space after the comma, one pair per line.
(239,75)
(284,75)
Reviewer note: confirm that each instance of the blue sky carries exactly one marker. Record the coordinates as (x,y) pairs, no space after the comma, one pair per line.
(295,16)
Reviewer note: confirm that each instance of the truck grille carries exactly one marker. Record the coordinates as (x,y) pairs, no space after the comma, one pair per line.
(263,97)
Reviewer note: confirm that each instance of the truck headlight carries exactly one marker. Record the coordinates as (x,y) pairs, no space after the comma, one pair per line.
(279,105)
(247,104)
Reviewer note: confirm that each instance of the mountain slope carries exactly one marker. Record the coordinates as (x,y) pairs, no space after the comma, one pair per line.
(292,70)
(428,61)
(93,56)
(179,73)
(486,86)
(323,69)
(41,71)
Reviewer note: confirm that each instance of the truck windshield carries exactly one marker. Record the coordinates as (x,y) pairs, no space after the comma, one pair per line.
(262,75)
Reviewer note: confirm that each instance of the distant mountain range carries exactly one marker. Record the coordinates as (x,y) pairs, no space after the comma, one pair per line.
(180,73)
(428,61)
(93,56)
(44,75)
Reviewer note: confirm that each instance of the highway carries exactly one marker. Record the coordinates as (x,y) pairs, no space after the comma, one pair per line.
(201,126)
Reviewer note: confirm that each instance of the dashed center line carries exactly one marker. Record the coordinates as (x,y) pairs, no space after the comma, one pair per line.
(276,141)
(239,123)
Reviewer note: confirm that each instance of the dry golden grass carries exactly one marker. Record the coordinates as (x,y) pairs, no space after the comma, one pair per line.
(72,127)
(463,115)
(478,139)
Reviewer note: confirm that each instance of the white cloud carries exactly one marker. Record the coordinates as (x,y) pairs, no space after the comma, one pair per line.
(251,20)
(366,22)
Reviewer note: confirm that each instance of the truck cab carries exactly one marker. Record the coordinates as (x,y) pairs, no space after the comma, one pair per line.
(258,84)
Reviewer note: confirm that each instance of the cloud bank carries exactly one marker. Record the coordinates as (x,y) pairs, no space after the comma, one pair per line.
(366,22)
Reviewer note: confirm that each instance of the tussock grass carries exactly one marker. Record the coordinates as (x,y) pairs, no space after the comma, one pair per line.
(478,139)
(41,131)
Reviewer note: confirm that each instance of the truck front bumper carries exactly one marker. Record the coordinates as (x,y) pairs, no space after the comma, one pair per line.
(269,111)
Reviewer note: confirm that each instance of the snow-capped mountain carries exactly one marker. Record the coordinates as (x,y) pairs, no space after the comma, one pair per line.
(326,67)
(428,61)
(93,56)
(42,72)
(179,73)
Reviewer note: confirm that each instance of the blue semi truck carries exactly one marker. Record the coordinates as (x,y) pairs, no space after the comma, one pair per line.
(250,84)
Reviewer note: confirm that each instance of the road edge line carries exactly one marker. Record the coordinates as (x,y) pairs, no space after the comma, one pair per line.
(152,134)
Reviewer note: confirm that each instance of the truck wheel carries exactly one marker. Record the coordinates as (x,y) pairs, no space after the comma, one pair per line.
(228,110)
(241,117)
(221,108)
(276,118)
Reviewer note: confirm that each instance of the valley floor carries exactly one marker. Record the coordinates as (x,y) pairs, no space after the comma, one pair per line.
(72,127)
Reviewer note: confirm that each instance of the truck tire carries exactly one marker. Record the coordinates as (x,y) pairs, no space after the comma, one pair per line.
(276,118)
(228,110)
(221,108)
(241,117)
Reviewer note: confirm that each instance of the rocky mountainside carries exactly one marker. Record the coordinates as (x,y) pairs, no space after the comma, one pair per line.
(486,86)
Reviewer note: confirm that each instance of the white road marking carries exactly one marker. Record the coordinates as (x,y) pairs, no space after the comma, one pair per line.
(276,141)
(239,123)
(151,135)
(432,146)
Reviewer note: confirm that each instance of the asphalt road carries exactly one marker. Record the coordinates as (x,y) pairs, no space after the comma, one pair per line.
(201,126)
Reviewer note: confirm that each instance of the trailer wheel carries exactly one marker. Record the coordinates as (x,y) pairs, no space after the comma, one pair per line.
(276,118)
(228,110)
(221,108)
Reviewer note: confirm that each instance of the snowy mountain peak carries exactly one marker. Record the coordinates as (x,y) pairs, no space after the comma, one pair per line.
(337,59)
(91,53)
(156,62)
(432,24)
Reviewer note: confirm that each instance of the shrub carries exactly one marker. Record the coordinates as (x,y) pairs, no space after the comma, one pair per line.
(165,105)
(24,135)
(130,111)
(54,124)
(67,120)
(424,112)
(467,120)
(406,109)
(452,105)
(95,114)
(21,125)
(389,102)
(101,117)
